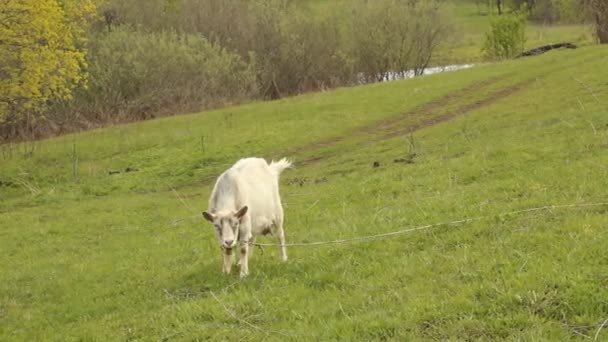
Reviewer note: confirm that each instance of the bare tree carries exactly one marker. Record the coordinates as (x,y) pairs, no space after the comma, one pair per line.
(599,11)
(396,37)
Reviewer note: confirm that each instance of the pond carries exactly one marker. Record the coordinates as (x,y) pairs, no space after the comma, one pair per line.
(401,75)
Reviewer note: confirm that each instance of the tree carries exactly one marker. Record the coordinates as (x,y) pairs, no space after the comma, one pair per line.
(599,10)
(394,37)
(42,56)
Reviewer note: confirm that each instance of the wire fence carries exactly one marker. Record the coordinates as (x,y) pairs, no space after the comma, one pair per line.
(406,230)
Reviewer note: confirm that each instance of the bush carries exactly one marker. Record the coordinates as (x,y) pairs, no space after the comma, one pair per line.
(295,50)
(391,36)
(506,37)
(305,52)
(137,75)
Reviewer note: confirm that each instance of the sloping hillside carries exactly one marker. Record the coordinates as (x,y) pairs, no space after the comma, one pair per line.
(102,239)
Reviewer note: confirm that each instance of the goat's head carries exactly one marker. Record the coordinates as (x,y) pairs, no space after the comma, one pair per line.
(226,225)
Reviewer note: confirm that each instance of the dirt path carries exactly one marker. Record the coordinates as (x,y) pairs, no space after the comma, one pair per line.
(426,108)
(426,115)
(395,129)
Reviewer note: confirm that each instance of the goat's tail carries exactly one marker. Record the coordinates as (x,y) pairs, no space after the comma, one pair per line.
(278,166)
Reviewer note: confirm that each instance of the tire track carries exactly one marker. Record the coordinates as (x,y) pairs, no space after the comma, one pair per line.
(390,131)
(401,124)
(425,108)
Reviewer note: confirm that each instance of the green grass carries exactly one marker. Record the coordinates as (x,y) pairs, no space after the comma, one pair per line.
(91,256)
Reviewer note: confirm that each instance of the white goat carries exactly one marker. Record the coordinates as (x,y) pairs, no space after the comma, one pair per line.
(245,202)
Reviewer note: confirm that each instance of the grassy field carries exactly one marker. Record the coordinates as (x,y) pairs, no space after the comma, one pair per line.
(102,239)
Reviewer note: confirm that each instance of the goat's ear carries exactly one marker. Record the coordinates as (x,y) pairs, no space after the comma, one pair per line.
(208,216)
(239,214)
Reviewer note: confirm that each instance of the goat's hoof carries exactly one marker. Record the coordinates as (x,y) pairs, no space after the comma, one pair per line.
(244,274)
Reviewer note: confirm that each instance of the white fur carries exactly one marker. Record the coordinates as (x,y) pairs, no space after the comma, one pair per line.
(253,183)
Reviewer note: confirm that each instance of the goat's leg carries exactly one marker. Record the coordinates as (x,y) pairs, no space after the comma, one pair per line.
(227,261)
(251,246)
(244,262)
(281,238)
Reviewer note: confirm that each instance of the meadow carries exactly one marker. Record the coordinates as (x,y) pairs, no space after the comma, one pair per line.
(102,237)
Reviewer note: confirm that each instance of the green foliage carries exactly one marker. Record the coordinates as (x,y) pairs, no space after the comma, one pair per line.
(136,75)
(41,54)
(506,37)
(89,255)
